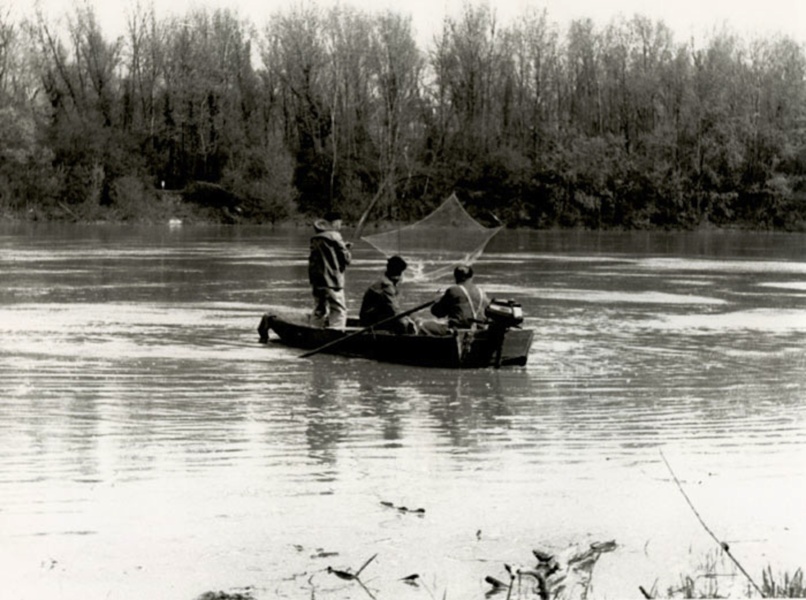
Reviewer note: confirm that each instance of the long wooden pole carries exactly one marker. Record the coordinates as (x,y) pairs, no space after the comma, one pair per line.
(335,342)
(362,221)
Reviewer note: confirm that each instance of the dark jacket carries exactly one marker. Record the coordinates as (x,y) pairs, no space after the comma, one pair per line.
(328,259)
(381,302)
(462,304)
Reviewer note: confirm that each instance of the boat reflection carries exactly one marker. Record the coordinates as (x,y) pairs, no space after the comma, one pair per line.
(360,401)
(325,424)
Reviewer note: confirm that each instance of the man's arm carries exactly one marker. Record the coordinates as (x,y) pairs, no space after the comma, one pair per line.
(442,308)
(343,252)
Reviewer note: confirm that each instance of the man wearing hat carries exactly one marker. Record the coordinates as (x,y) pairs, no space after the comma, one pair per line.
(462,304)
(328,259)
(381,299)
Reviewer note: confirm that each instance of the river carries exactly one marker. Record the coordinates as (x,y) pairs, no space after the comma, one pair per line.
(151,448)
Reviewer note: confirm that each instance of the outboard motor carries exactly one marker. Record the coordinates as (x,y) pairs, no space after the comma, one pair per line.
(501,316)
(504,313)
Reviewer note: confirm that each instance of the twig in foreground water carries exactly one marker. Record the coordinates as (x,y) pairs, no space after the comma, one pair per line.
(722,544)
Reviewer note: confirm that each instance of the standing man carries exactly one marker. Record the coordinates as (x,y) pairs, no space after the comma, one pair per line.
(381,300)
(328,259)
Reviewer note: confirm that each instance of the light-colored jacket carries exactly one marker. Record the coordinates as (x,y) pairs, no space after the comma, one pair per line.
(328,259)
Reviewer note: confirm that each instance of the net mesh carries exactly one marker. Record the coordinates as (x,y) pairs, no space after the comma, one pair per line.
(435,244)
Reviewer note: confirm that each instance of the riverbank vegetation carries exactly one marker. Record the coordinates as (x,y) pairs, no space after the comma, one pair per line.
(715,577)
(211,116)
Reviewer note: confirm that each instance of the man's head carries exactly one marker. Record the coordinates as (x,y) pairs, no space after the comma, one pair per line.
(463,273)
(334,218)
(395,267)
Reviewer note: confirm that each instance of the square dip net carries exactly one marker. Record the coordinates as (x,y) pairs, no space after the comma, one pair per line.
(434,245)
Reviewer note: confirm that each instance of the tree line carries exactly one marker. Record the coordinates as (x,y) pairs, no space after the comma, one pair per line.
(592,126)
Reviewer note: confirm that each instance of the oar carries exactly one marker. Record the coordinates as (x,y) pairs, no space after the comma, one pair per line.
(332,343)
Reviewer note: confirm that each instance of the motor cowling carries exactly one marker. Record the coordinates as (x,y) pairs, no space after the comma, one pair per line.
(504,313)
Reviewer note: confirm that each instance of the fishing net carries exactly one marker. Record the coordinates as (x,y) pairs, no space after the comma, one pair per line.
(435,244)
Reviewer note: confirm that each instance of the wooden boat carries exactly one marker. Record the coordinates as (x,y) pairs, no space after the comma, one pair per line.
(491,346)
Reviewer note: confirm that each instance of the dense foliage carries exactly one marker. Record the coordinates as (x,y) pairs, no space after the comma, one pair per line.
(619,126)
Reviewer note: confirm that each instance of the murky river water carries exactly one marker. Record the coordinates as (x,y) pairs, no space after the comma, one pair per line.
(151,448)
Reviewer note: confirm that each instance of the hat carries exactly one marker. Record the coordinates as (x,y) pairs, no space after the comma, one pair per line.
(396,265)
(326,223)
(463,273)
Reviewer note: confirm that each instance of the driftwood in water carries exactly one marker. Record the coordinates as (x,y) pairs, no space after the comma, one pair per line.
(225,596)
(572,580)
(562,576)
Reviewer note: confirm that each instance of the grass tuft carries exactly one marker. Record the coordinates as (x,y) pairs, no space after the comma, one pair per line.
(784,586)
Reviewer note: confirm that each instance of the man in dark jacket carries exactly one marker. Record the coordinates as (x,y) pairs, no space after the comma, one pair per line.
(327,262)
(462,305)
(381,300)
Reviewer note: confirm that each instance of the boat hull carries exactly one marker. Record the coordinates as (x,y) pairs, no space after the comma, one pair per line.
(463,349)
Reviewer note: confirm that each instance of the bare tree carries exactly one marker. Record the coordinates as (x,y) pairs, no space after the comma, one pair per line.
(396,70)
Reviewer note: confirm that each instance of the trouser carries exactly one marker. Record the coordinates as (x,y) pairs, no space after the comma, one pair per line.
(432,327)
(330,308)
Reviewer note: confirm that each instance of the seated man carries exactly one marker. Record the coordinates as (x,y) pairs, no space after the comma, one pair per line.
(462,305)
(381,300)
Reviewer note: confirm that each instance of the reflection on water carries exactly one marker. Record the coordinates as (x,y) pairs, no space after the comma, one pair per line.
(151,448)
